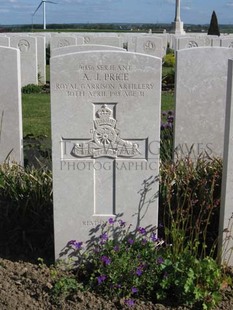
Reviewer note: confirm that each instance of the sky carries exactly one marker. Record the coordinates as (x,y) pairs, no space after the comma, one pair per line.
(114,11)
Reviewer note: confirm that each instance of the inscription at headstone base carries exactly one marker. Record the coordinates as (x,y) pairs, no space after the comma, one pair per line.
(105,130)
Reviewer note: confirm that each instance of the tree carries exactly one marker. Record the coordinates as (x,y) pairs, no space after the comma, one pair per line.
(213,28)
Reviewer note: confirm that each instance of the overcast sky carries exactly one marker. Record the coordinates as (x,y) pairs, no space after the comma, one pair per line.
(113,11)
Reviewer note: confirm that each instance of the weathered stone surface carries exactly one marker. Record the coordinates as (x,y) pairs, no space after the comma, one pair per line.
(201,80)
(11,140)
(105,131)
(28,58)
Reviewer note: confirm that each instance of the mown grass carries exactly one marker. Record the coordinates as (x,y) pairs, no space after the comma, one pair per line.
(47,73)
(168,101)
(36,114)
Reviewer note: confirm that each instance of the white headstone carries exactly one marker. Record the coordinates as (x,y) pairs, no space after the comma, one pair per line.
(201,80)
(227,42)
(105,109)
(189,42)
(11,137)
(28,58)
(149,45)
(4,41)
(81,48)
(215,41)
(226,210)
(62,41)
(112,41)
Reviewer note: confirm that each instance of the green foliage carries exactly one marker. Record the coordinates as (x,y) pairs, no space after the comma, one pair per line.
(166,136)
(26,211)
(32,89)
(37,151)
(168,74)
(64,287)
(169,60)
(137,265)
(213,28)
(191,281)
(168,78)
(189,205)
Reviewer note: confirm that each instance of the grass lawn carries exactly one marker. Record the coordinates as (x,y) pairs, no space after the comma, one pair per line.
(47,73)
(168,101)
(36,112)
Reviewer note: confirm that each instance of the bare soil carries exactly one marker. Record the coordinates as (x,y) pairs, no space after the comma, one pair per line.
(24,285)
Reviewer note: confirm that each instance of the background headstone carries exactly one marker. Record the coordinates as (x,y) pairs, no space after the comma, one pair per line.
(189,42)
(149,45)
(105,109)
(11,136)
(200,100)
(112,41)
(227,42)
(226,210)
(62,41)
(4,41)
(28,58)
(81,48)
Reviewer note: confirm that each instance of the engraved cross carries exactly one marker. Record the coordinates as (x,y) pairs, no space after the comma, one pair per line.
(106,143)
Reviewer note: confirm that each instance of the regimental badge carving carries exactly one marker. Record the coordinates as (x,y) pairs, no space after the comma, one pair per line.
(192,44)
(106,140)
(24,46)
(63,43)
(231,45)
(149,46)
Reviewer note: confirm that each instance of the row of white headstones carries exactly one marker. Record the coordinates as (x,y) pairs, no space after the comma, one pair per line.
(33,47)
(105,109)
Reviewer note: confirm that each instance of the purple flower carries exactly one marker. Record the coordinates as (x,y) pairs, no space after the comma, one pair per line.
(134,290)
(129,302)
(139,271)
(101,279)
(111,220)
(170,119)
(168,125)
(130,241)
(77,245)
(170,112)
(103,238)
(142,230)
(122,223)
(144,241)
(96,250)
(164,113)
(106,260)
(160,260)
(116,248)
(154,237)
(162,126)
